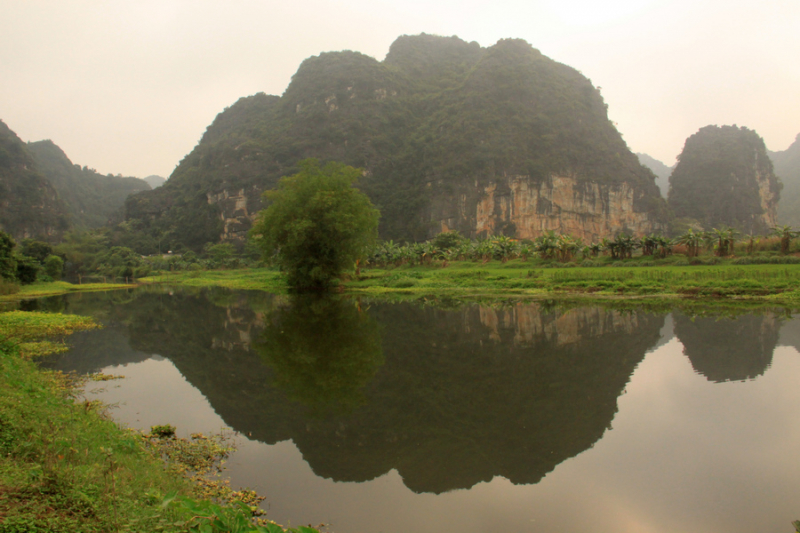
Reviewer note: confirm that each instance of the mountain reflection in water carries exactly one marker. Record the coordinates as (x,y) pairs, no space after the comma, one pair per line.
(447,397)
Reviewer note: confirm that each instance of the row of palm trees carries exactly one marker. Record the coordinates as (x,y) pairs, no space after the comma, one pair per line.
(723,240)
(448,247)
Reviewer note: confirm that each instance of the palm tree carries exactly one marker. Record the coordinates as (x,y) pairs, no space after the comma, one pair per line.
(785,234)
(726,238)
(664,246)
(622,246)
(566,247)
(692,240)
(505,248)
(546,245)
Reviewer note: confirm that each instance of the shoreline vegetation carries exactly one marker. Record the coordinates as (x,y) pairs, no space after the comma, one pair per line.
(66,467)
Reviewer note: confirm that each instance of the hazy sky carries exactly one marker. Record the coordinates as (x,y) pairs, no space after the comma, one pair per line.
(130,86)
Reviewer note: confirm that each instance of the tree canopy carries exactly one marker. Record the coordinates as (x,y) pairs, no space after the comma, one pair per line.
(317,223)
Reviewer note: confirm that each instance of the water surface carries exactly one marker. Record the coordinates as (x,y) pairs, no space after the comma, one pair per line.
(388,417)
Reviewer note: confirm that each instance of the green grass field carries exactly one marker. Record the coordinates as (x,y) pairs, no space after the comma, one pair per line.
(778,283)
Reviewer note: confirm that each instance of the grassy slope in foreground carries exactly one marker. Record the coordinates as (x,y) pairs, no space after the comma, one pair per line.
(66,468)
(778,283)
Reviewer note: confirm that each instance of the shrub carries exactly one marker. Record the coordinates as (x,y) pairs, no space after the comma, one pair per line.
(27,269)
(53,266)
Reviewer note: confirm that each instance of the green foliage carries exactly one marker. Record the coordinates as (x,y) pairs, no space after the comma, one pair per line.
(716,180)
(118,261)
(27,269)
(448,240)
(38,250)
(318,223)
(220,252)
(54,266)
(8,263)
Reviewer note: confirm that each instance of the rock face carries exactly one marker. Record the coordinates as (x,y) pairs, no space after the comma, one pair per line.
(525,208)
(497,140)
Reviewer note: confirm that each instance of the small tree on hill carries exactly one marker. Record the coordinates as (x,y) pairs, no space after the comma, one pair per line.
(319,224)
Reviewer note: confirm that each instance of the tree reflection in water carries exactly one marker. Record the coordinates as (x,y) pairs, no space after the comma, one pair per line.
(323,351)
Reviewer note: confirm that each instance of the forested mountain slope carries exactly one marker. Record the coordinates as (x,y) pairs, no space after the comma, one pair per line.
(450,135)
(724,177)
(787,167)
(29,204)
(90,198)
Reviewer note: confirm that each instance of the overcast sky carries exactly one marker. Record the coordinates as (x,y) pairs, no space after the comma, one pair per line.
(130,86)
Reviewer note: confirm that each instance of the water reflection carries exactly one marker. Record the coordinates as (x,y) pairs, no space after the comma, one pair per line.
(729,349)
(323,351)
(448,398)
(443,399)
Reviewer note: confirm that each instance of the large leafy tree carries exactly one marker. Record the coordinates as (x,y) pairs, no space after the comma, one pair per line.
(317,223)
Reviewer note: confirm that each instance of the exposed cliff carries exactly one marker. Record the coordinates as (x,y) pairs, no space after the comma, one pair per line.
(525,208)
(29,205)
(724,177)
(451,135)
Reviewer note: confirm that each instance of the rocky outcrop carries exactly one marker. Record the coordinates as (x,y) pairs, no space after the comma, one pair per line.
(237,210)
(525,208)
(768,195)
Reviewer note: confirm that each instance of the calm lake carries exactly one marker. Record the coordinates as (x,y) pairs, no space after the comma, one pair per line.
(431,416)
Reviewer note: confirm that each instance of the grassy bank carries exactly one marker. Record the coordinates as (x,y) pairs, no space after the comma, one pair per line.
(65,467)
(777,283)
(52,288)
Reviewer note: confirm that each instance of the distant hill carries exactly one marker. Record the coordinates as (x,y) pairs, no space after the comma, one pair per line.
(154,181)
(787,167)
(661,171)
(29,204)
(498,140)
(725,178)
(90,198)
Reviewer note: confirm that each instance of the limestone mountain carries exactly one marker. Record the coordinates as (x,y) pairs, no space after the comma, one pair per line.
(725,178)
(450,136)
(661,171)
(90,197)
(787,167)
(154,181)
(29,204)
